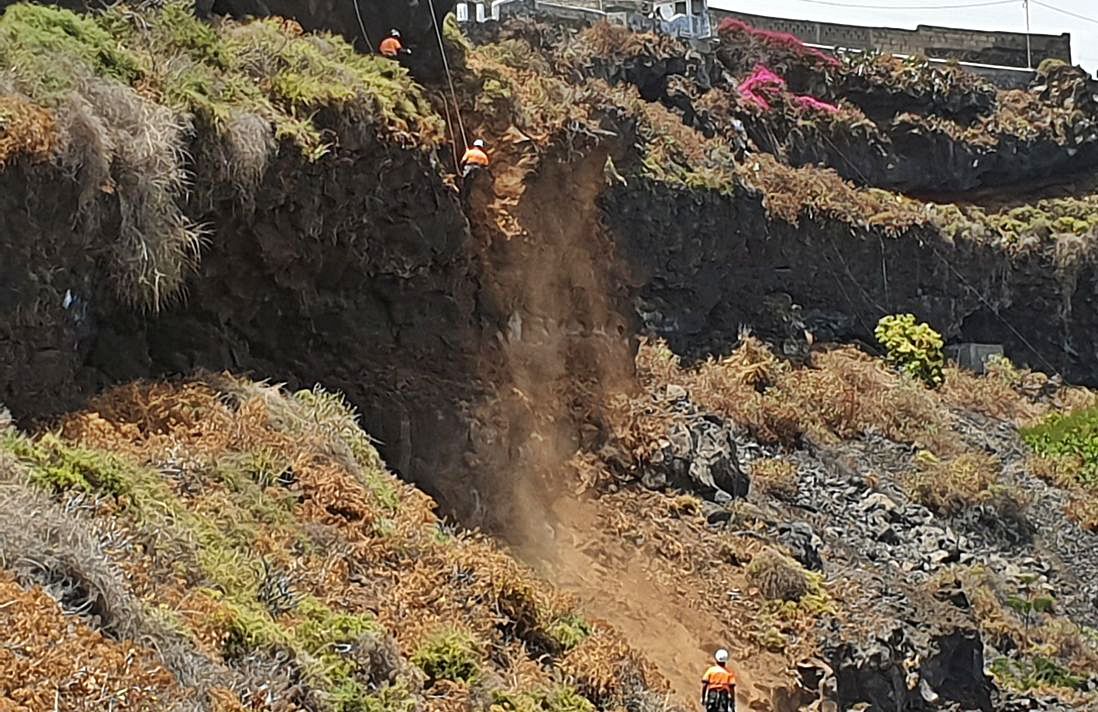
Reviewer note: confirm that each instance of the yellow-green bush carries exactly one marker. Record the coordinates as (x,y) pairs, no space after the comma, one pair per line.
(449,654)
(914,348)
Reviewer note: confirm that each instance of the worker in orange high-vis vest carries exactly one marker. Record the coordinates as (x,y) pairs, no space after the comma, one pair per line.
(391,46)
(719,685)
(475,158)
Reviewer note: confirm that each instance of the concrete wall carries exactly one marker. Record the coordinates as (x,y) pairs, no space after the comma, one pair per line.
(1002,48)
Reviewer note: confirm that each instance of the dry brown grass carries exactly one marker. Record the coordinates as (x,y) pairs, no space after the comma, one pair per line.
(518,89)
(1083,510)
(735,387)
(604,41)
(849,393)
(1006,392)
(608,672)
(970,479)
(56,662)
(791,194)
(776,477)
(343,533)
(778,577)
(953,484)
(1057,471)
(842,395)
(26,129)
(995,394)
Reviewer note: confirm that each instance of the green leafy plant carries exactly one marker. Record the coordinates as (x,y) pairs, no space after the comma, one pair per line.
(914,348)
(1072,437)
(449,654)
(569,631)
(1032,603)
(56,465)
(1034,672)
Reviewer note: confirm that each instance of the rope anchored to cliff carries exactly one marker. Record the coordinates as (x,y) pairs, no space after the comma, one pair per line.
(449,77)
(362,26)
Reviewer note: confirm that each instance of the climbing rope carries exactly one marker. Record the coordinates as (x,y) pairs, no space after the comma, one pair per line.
(453,139)
(362,26)
(449,77)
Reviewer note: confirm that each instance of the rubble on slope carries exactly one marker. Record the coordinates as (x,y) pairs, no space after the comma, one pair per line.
(933,602)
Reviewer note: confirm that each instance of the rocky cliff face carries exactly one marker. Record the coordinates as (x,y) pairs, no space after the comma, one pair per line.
(356,271)
(706,264)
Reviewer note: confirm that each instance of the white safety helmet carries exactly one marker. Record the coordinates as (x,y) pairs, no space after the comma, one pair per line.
(394,33)
(479,143)
(721,656)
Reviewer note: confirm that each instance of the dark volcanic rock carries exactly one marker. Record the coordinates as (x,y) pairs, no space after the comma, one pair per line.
(803,543)
(699,457)
(702,264)
(906,671)
(342,279)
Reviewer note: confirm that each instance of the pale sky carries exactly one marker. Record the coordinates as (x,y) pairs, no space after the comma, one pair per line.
(1006,15)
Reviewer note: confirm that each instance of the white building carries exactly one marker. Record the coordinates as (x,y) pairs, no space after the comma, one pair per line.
(688,19)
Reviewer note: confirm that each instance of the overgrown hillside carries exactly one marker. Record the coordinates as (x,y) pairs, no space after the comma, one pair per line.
(219,544)
(644,352)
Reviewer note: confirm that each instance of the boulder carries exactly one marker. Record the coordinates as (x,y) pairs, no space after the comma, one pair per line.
(699,457)
(803,543)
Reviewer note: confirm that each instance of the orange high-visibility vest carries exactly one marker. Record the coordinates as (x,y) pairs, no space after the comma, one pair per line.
(719,679)
(474,157)
(390,47)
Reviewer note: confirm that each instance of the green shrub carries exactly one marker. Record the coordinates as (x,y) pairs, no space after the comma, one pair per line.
(562,698)
(325,634)
(48,44)
(57,465)
(449,654)
(569,631)
(914,348)
(1073,436)
(1034,672)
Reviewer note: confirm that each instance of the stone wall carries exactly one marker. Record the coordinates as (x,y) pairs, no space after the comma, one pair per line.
(1001,48)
